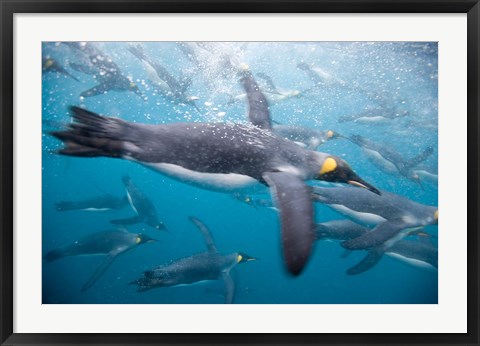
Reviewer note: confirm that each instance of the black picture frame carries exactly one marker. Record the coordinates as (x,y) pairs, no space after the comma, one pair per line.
(9,8)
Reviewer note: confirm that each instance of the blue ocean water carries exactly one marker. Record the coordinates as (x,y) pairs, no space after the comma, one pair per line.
(399,78)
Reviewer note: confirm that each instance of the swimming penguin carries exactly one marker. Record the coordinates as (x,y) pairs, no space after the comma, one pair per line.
(110,243)
(379,115)
(206,266)
(142,205)
(100,203)
(104,69)
(162,80)
(393,217)
(222,157)
(254,202)
(305,136)
(421,254)
(389,160)
(51,65)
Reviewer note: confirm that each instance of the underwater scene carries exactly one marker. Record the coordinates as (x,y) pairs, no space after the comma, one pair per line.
(239,172)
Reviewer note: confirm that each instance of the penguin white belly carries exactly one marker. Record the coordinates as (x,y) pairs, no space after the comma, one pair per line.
(224,182)
(412,261)
(96,209)
(367,219)
(371,120)
(379,161)
(131,202)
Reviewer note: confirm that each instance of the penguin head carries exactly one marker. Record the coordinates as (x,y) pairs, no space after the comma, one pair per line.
(242,257)
(48,62)
(336,170)
(143,238)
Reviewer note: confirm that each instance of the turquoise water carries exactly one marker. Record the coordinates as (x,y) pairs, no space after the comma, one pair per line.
(358,76)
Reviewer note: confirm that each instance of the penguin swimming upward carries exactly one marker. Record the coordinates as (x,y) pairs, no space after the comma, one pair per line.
(393,216)
(110,243)
(417,253)
(142,205)
(100,203)
(222,157)
(205,266)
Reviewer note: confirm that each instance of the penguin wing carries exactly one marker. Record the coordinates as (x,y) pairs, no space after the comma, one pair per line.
(102,268)
(293,199)
(372,258)
(206,234)
(127,221)
(258,112)
(229,288)
(96,90)
(419,158)
(377,236)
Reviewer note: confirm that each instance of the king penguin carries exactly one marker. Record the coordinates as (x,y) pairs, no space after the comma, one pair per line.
(99,203)
(389,160)
(393,217)
(110,243)
(420,253)
(221,156)
(142,205)
(51,65)
(104,70)
(210,265)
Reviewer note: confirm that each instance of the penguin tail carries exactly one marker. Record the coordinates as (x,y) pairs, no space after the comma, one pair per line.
(93,135)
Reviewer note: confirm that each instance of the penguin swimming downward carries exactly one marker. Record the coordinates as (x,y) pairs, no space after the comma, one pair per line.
(393,216)
(210,265)
(142,205)
(111,243)
(222,157)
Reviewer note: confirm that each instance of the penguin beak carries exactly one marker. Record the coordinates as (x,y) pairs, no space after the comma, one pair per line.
(357,181)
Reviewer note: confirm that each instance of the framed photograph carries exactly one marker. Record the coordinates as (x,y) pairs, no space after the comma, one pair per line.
(241,173)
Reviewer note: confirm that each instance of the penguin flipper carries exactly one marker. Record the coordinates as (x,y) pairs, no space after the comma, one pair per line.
(127,221)
(293,199)
(376,236)
(229,288)
(206,234)
(101,269)
(258,112)
(96,90)
(419,158)
(372,258)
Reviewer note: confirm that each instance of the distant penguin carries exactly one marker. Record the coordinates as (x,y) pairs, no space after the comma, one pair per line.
(393,217)
(99,203)
(418,253)
(305,136)
(206,266)
(162,80)
(142,205)
(382,115)
(389,160)
(221,156)
(51,65)
(104,69)
(109,243)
